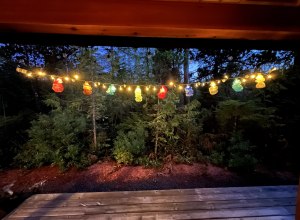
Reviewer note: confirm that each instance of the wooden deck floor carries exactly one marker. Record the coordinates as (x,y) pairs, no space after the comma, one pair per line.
(268,202)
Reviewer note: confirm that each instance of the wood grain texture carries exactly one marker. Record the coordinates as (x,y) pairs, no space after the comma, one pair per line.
(267,202)
(176,19)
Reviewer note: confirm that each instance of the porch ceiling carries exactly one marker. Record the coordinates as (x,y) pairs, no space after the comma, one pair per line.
(277,20)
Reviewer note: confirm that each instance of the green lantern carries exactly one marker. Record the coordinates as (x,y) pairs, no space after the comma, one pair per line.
(237,85)
(111,89)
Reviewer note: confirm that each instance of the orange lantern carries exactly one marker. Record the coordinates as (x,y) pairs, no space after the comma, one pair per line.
(260,81)
(162,93)
(58,85)
(87,89)
(213,89)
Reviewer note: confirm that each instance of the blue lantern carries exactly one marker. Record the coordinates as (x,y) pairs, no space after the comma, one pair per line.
(189,91)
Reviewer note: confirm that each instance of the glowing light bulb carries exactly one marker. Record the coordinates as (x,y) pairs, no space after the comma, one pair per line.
(253,76)
(203,84)
(225,76)
(29,74)
(218,81)
(128,88)
(154,88)
(147,89)
(95,85)
(67,78)
(104,86)
(52,77)
(120,88)
(76,76)
(180,87)
(40,73)
(98,83)
(269,76)
(244,80)
(171,83)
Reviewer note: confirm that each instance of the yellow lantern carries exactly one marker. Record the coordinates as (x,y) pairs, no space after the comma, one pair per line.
(260,81)
(87,89)
(138,94)
(213,89)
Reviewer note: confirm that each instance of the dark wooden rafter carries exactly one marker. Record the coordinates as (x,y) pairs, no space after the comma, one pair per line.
(247,20)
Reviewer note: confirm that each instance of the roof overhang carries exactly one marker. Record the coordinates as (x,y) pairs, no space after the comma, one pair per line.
(273,20)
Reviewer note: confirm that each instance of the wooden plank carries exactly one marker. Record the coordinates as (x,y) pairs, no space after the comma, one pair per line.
(195,214)
(167,205)
(177,192)
(150,218)
(168,199)
(164,206)
(151,19)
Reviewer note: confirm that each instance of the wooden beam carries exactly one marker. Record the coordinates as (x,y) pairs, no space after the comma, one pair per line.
(175,19)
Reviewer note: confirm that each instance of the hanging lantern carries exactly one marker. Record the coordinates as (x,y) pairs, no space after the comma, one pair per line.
(87,89)
(111,89)
(213,89)
(58,85)
(189,91)
(260,81)
(237,85)
(138,94)
(162,93)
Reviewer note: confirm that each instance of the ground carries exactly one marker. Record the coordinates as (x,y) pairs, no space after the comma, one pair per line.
(108,176)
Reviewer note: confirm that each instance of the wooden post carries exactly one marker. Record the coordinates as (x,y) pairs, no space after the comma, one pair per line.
(297,68)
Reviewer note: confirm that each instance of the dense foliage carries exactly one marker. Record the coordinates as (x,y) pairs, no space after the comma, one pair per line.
(236,130)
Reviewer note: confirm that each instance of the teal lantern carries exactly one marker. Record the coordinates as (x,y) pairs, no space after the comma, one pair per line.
(111,89)
(237,85)
(189,91)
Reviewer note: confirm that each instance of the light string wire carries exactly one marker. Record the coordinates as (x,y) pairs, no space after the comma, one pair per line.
(76,78)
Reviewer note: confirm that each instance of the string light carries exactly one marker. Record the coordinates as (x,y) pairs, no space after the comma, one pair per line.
(258,77)
(40,73)
(171,83)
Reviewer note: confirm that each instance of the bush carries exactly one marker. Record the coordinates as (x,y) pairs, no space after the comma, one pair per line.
(130,142)
(217,158)
(55,138)
(241,155)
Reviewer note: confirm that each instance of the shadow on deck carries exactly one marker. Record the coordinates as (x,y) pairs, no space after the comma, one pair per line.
(266,202)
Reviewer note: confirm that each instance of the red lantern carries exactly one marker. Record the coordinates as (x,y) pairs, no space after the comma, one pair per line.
(58,85)
(87,89)
(162,93)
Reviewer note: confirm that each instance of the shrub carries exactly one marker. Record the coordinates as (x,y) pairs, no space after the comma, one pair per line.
(55,138)
(241,155)
(217,158)
(130,142)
